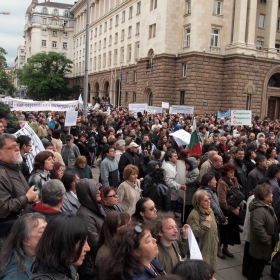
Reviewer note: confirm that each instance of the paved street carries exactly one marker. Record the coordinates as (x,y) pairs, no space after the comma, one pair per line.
(229,269)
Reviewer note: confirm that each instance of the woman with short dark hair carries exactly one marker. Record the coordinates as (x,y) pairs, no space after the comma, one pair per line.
(109,199)
(55,261)
(57,171)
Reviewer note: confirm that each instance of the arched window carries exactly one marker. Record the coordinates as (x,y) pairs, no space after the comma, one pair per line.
(151,55)
(44,10)
(55,12)
(66,13)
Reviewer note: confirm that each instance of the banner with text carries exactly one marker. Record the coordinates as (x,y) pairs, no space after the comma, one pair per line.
(138,107)
(241,117)
(180,109)
(165,105)
(182,137)
(71,118)
(154,110)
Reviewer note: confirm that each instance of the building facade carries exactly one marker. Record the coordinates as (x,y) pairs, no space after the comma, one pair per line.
(19,63)
(213,55)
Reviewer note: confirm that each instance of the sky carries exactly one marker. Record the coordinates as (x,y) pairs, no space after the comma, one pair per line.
(12,26)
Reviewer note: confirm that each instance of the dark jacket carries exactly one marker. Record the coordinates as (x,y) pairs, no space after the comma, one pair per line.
(109,172)
(128,158)
(83,172)
(262,230)
(150,168)
(254,176)
(92,212)
(159,194)
(24,169)
(276,197)
(240,173)
(70,204)
(249,166)
(217,172)
(191,180)
(38,179)
(54,275)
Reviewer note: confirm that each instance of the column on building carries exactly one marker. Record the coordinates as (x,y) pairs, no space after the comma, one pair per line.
(270,23)
(240,16)
(252,21)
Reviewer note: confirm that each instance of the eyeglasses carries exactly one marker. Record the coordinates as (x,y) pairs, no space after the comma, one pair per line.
(11,147)
(153,208)
(114,195)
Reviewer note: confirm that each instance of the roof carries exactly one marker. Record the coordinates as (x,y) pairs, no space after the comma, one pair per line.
(55,5)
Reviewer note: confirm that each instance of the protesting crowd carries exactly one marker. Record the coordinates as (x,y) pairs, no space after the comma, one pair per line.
(133,221)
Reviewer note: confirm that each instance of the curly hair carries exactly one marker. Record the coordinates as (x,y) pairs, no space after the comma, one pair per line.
(130,169)
(226,168)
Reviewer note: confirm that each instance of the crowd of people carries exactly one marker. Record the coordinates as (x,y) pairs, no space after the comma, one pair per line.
(132,222)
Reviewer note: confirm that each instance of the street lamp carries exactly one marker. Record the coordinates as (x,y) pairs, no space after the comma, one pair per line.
(5,13)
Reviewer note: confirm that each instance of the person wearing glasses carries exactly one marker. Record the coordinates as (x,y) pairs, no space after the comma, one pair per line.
(132,255)
(145,210)
(15,194)
(109,199)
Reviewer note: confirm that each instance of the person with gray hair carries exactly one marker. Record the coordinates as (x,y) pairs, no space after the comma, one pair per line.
(207,164)
(52,193)
(15,194)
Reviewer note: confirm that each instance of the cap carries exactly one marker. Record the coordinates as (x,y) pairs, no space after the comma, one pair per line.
(4,115)
(259,158)
(120,143)
(30,116)
(68,137)
(133,145)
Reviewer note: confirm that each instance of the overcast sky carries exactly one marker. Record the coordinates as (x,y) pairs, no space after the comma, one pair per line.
(12,26)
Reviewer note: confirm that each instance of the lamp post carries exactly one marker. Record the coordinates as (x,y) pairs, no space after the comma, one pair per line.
(5,13)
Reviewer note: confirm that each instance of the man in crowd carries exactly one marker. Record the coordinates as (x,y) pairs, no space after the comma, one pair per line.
(120,145)
(69,152)
(217,163)
(241,170)
(207,164)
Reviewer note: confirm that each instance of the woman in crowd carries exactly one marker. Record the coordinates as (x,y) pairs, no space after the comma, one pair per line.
(203,224)
(92,212)
(271,155)
(162,142)
(263,223)
(145,210)
(249,161)
(109,200)
(129,191)
(194,270)
(113,221)
(132,255)
(57,171)
(57,262)
(157,190)
(18,250)
(103,141)
(71,203)
(57,143)
(43,164)
(209,184)
(230,232)
(83,146)
(82,168)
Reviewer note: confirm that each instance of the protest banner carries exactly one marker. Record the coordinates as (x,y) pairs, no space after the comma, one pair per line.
(157,110)
(27,105)
(71,118)
(180,109)
(223,115)
(241,117)
(195,253)
(182,137)
(138,107)
(36,143)
(165,105)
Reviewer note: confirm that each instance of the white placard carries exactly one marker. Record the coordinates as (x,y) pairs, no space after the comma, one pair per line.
(155,109)
(165,105)
(71,118)
(36,143)
(27,105)
(138,107)
(182,137)
(195,253)
(241,117)
(180,109)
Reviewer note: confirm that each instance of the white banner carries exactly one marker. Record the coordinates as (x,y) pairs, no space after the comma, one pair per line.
(138,107)
(36,143)
(195,253)
(155,109)
(71,118)
(182,137)
(241,117)
(165,105)
(27,105)
(180,109)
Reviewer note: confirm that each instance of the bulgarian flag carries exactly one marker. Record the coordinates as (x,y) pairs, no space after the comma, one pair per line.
(194,146)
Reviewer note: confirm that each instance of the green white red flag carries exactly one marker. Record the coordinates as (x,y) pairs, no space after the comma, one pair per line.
(194,146)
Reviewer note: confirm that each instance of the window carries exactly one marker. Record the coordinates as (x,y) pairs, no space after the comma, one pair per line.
(123,16)
(116,56)
(54,44)
(129,32)
(55,22)
(278,24)
(137,50)
(139,7)
(277,47)
(84,38)
(182,97)
(248,102)
(111,23)
(105,26)
(45,21)
(65,23)
(152,31)
(184,70)
(188,37)
(126,97)
(94,63)
(217,7)
(110,59)
(100,29)
(77,42)
(116,37)
(134,97)
(44,43)
(104,60)
(99,45)
(117,20)
(95,32)
(99,61)
(44,32)
(95,46)
(122,35)
(130,12)
(188,7)
(129,53)
(66,13)
(261,21)
(153,4)
(110,40)
(65,34)
(137,28)
(64,45)
(215,37)
(90,49)
(135,76)
(44,10)
(55,12)
(54,33)
(91,34)
(104,43)
(259,44)
(263,1)
(127,78)
(122,55)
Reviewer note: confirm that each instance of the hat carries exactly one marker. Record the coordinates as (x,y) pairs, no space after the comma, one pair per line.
(133,145)
(30,116)
(120,143)
(259,158)
(68,137)
(4,115)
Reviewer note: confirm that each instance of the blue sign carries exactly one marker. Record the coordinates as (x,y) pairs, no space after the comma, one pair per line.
(223,115)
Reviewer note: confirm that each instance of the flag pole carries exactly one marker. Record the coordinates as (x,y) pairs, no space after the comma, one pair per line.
(120,86)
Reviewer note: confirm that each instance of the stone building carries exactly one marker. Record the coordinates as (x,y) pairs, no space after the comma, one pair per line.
(19,63)
(213,55)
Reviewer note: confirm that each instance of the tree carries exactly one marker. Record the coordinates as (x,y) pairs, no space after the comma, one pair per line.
(12,118)
(6,85)
(44,75)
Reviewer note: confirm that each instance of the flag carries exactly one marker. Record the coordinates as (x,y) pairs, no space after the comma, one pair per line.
(80,100)
(194,146)
(121,75)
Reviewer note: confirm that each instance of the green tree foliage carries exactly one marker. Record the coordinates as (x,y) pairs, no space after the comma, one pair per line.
(44,75)
(6,85)
(12,118)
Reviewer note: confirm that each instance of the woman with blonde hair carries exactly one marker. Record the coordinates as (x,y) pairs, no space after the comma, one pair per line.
(82,168)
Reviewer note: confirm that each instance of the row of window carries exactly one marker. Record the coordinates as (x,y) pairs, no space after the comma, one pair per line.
(217,9)
(55,12)
(54,33)
(54,44)
(55,22)
(262,22)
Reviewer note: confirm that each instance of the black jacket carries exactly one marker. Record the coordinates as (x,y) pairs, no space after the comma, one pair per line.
(128,158)
(240,173)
